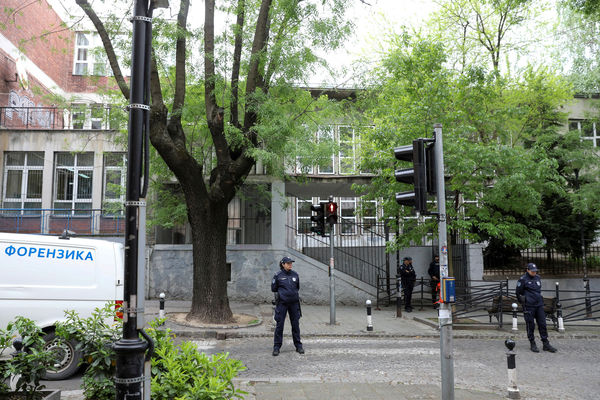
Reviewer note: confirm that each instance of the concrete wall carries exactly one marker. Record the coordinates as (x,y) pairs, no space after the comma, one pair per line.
(252,268)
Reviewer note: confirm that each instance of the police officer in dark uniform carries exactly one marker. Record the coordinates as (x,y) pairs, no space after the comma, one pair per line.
(529,294)
(286,285)
(434,274)
(408,276)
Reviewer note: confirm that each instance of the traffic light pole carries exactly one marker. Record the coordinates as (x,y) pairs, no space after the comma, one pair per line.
(331,281)
(445,312)
(130,349)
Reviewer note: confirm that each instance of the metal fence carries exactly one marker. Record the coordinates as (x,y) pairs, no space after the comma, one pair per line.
(76,117)
(549,261)
(490,303)
(249,230)
(55,221)
(361,257)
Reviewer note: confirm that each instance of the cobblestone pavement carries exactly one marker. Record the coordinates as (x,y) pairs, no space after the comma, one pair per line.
(347,368)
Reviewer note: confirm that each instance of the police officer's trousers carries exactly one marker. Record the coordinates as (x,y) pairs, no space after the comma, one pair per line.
(408,289)
(533,314)
(293,309)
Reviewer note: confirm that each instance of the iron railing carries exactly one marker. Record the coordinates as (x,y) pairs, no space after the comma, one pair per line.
(360,256)
(54,221)
(490,303)
(549,261)
(249,230)
(83,117)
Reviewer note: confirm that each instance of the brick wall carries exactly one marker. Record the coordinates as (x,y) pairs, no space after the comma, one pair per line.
(38,31)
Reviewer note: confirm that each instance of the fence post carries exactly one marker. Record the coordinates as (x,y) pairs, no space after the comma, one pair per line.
(513,390)
(561,325)
(421,308)
(398,297)
(588,302)
(369,318)
(500,306)
(514,317)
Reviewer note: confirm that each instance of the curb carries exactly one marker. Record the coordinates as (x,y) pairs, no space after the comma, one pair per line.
(219,335)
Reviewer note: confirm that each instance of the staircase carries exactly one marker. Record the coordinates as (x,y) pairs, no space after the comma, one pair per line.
(361,256)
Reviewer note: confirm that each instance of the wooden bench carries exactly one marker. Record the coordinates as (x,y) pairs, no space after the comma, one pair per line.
(494,311)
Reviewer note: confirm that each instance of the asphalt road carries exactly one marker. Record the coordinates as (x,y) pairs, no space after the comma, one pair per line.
(572,373)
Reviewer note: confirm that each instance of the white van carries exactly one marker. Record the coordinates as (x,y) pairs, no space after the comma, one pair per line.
(42,276)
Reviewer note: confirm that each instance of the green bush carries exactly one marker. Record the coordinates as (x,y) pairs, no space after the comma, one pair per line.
(182,372)
(30,364)
(95,336)
(5,343)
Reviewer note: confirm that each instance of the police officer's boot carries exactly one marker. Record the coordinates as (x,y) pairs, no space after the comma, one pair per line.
(534,347)
(548,347)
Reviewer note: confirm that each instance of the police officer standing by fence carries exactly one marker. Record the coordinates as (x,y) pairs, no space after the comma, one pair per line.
(286,284)
(408,276)
(434,282)
(529,294)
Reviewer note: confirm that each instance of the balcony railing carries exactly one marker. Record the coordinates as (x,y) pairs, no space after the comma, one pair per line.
(55,118)
(55,221)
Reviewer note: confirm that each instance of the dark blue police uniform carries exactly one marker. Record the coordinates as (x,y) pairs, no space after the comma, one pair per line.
(530,287)
(408,276)
(287,285)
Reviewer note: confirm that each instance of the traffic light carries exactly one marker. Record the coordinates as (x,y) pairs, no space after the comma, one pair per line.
(331,214)
(417,176)
(319,218)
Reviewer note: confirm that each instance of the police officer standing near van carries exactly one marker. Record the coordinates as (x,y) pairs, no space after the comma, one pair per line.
(529,294)
(285,285)
(408,277)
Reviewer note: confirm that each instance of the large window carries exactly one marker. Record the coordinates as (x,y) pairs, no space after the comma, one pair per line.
(74,174)
(588,129)
(23,174)
(347,153)
(303,215)
(348,213)
(114,182)
(369,215)
(89,55)
(326,134)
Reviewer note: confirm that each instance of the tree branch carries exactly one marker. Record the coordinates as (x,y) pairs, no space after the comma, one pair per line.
(259,44)
(235,70)
(108,47)
(180,60)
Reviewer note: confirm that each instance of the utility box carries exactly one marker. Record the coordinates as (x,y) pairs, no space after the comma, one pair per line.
(448,291)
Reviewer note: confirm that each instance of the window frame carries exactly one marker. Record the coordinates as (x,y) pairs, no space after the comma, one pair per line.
(92,60)
(122,168)
(24,195)
(595,138)
(77,170)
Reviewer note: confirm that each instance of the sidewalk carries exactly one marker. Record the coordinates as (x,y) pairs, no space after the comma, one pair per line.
(352,322)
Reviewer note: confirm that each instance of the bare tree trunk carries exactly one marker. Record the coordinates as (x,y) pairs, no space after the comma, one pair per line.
(209,234)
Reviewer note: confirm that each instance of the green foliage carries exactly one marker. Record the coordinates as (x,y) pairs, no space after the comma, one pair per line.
(5,343)
(31,363)
(182,372)
(496,134)
(95,334)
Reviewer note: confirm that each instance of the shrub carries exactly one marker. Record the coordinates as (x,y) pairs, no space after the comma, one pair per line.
(182,372)
(29,364)
(95,336)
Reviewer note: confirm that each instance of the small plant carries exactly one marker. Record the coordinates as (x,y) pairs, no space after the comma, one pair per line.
(95,336)
(5,343)
(182,372)
(29,364)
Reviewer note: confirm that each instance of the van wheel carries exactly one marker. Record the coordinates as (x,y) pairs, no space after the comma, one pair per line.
(67,357)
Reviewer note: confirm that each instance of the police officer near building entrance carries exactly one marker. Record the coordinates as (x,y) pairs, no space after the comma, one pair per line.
(408,276)
(285,285)
(434,282)
(529,294)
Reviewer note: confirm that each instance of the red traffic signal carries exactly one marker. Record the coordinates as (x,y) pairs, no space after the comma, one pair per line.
(332,217)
